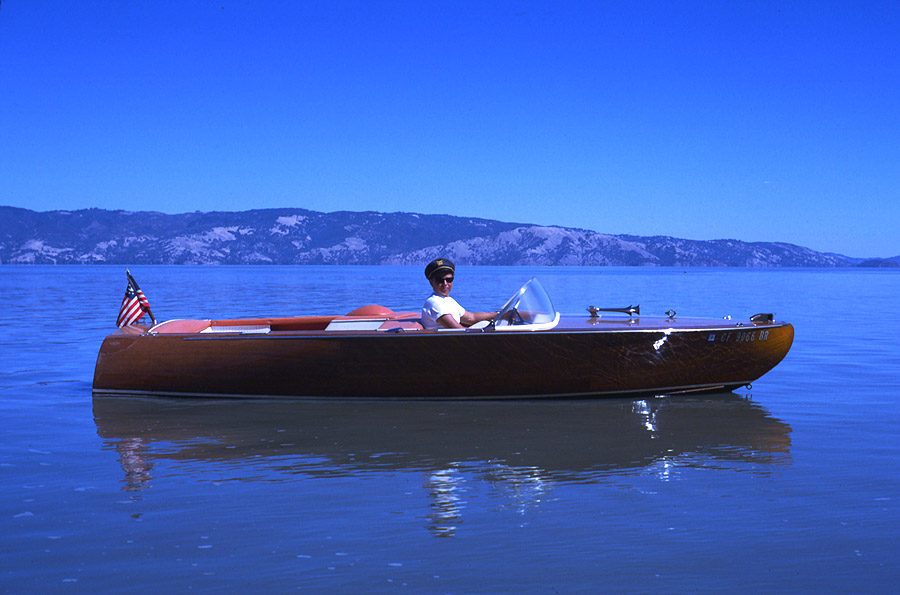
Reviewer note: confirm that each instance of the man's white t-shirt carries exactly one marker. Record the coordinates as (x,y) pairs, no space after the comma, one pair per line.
(437,306)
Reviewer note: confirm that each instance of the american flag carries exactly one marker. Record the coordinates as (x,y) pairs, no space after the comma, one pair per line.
(134,304)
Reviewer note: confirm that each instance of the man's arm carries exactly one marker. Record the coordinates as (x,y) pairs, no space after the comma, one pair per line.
(447,321)
(470,318)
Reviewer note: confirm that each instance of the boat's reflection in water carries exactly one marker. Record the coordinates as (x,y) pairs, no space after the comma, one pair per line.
(522,449)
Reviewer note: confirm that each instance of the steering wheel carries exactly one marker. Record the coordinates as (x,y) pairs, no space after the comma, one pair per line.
(509,315)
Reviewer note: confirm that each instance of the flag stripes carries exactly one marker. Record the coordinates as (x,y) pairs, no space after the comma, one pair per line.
(134,304)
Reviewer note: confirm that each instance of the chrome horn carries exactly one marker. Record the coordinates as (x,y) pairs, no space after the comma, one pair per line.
(630,310)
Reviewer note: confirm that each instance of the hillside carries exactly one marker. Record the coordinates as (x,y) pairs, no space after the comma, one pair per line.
(299,236)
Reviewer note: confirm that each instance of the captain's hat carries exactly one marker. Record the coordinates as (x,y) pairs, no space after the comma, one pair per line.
(439,265)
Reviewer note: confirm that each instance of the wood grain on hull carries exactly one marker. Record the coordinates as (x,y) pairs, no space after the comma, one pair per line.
(428,364)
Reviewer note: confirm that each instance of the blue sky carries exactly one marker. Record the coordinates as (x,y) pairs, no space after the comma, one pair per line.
(760,121)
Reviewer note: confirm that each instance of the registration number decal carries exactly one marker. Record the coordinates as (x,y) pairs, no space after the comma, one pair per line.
(738,336)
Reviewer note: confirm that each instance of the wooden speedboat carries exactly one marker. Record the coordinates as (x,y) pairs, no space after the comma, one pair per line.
(529,350)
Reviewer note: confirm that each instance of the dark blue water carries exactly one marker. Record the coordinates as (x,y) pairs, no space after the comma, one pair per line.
(790,486)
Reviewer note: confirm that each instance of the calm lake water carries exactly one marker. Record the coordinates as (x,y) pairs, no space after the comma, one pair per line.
(791,486)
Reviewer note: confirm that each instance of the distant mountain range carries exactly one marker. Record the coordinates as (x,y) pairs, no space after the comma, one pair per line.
(299,236)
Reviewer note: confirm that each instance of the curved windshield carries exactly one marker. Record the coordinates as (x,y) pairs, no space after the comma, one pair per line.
(529,306)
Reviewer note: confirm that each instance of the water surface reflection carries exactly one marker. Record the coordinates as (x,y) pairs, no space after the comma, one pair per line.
(521,449)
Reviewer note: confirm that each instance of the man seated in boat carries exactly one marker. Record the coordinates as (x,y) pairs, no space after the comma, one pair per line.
(441,310)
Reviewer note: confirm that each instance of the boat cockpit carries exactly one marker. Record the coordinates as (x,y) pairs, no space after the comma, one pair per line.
(529,309)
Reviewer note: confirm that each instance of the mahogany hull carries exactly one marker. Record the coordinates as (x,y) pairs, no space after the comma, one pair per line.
(580,357)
